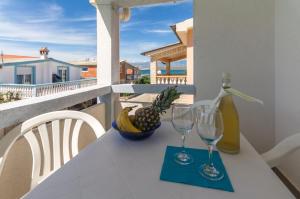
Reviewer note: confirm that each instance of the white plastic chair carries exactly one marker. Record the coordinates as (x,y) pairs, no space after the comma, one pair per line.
(40,170)
(283,148)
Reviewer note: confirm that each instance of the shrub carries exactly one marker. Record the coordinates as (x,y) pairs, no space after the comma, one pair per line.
(143,80)
(9,97)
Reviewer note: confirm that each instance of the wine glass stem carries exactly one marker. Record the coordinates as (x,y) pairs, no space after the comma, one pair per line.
(210,155)
(183,142)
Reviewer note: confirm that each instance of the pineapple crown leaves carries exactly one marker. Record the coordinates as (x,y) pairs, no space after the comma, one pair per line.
(130,108)
(165,99)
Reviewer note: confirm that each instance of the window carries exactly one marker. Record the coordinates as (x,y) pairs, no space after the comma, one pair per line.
(129,77)
(85,69)
(63,73)
(25,75)
(24,79)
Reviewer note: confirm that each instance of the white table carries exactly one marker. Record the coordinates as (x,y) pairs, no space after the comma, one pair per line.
(115,168)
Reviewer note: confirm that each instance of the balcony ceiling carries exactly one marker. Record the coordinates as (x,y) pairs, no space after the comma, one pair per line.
(131,3)
(168,53)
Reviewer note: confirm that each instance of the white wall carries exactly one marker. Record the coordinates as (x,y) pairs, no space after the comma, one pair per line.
(75,73)
(237,36)
(287,70)
(7,75)
(44,71)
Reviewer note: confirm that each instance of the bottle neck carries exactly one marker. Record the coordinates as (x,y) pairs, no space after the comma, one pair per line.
(226,83)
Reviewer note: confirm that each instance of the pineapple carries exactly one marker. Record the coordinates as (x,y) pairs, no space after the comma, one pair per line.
(147,118)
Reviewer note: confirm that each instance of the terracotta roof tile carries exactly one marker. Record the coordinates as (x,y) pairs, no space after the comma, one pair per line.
(17,57)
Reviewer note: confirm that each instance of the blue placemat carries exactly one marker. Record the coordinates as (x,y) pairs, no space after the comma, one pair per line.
(188,174)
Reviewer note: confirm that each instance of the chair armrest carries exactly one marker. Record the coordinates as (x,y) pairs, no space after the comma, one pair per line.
(283,148)
(6,143)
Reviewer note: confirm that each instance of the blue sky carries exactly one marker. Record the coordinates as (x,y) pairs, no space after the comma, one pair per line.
(69,29)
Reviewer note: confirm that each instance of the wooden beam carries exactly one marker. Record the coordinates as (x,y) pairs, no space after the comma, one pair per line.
(178,58)
(168,68)
(169,54)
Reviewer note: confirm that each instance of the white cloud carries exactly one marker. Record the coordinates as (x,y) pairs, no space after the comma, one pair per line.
(77,19)
(23,32)
(132,24)
(46,13)
(175,2)
(47,25)
(33,27)
(160,31)
(81,19)
(132,50)
(55,52)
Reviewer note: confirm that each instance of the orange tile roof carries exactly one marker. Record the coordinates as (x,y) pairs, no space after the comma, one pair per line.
(17,57)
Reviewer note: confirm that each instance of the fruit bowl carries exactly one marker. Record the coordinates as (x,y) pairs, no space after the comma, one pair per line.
(135,136)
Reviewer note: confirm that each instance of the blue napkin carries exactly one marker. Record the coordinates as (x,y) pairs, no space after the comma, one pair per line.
(188,174)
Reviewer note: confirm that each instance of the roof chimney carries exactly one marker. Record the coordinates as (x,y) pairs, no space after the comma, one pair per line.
(2,61)
(44,53)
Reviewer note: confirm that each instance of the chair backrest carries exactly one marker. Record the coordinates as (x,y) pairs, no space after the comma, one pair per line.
(46,150)
(282,149)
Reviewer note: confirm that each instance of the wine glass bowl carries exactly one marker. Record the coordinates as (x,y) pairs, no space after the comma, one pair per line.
(183,122)
(210,129)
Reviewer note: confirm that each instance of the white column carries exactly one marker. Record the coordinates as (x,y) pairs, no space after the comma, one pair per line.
(190,58)
(153,71)
(108,68)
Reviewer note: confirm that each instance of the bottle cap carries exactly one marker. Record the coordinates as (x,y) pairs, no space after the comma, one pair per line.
(226,76)
(226,80)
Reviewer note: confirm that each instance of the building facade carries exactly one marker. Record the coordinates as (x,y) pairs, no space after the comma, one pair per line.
(128,72)
(34,70)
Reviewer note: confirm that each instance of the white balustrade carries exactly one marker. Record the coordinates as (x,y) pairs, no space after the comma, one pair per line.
(27,91)
(171,79)
(15,112)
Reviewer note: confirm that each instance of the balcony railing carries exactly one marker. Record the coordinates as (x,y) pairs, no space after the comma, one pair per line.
(27,91)
(171,79)
(16,112)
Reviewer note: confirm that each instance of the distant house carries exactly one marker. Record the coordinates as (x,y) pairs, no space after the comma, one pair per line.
(16,69)
(88,68)
(128,72)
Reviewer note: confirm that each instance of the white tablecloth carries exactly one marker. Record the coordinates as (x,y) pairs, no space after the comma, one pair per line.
(115,168)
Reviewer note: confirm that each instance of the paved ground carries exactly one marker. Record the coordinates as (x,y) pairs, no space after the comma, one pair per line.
(145,100)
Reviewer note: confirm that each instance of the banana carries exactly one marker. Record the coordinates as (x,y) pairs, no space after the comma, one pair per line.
(132,118)
(124,123)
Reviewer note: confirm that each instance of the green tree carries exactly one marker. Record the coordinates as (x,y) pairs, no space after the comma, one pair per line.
(143,80)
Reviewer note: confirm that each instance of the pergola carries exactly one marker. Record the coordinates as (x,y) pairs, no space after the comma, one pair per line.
(167,55)
(174,52)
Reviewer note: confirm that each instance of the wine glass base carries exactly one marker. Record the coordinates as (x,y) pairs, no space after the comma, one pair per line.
(210,173)
(183,158)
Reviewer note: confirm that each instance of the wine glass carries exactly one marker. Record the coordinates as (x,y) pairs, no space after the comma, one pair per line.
(210,129)
(183,122)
